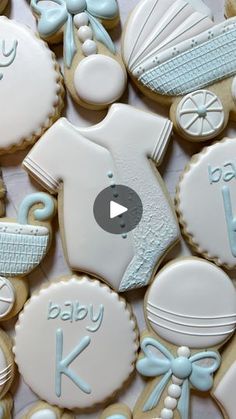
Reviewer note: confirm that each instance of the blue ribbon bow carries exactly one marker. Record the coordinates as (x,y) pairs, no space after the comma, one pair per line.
(200,377)
(51,20)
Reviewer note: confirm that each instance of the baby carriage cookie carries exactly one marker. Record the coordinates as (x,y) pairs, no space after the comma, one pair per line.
(42,410)
(190,311)
(178,56)
(206,201)
(117,151)
(3,5)
(30,84)
(23,244)
(94,72)
(72,331)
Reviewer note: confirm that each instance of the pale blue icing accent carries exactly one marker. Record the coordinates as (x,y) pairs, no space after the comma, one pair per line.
(74,312)
(230,219)
(51,20)
(62,365)
(40,214)
(116,417)
(152,365)
(183,403)
(196,68)
(1,412)
(11,55)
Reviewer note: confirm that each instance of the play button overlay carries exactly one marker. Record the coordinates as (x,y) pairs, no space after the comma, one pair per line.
(118,209)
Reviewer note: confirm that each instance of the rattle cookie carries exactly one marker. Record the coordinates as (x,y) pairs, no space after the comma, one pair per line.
(94,72)
(42,410)
(87,329)
(30,84)
(206,201)
(101,157)
(3,5)
(178,56)
(190,311)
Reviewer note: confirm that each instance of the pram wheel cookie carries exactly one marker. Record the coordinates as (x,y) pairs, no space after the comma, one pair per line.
(200,115)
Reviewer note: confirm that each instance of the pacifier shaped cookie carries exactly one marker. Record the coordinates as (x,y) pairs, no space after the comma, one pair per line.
(94,72)
(190,311)
(169,48)
(206,202)
(3,5)
(110,157)
(31,86)
(23,244)
(73,331)
(42,410)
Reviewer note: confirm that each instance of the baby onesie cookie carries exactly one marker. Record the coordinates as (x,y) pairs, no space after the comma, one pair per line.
(116,411)
(42,410)
(7,369)
(94,72)
(169,48)
(115,152)
(3,5)
(6,405)
(190,311)
(87,329)
(30,84)
(206,200)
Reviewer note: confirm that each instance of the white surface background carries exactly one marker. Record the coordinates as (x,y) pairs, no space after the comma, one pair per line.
(18,185)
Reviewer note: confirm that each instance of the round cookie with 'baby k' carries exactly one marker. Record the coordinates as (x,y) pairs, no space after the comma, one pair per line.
(94,71)
(178,56)
(30,84)
(72,331)
(206,202)
(190,311)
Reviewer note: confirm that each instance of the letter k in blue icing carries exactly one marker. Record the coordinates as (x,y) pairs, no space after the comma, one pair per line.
(62,365)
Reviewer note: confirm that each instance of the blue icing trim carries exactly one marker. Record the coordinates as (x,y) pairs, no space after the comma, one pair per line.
(116,417)
(199,67)
(40,214)
(153,365)
(230,219)
(53,19)
(62,365)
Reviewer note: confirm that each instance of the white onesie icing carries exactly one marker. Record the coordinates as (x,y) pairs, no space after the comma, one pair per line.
(121,145)
(81,342)
(192,303)
(28,83)
(207,202)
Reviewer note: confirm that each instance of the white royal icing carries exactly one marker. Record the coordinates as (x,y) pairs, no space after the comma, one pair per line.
(84,324)
(44,414)
(200,114)
(225,393)
(7,297)
(99,79)
(120,146)
(28,84)
(192,303)
(207,201)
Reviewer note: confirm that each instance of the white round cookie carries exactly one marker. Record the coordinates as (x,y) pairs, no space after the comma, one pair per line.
(30,86)
(206,202)
(192,303)
(72,332)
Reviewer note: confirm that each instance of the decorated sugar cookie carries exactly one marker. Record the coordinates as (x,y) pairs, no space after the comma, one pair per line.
(178,56)
(94,72)
(190,311)
(6,405)
(3,5)
(87,329)
(7,372)
(42,410)
(116,411)
(206,202)
(30,84)
(105,156)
